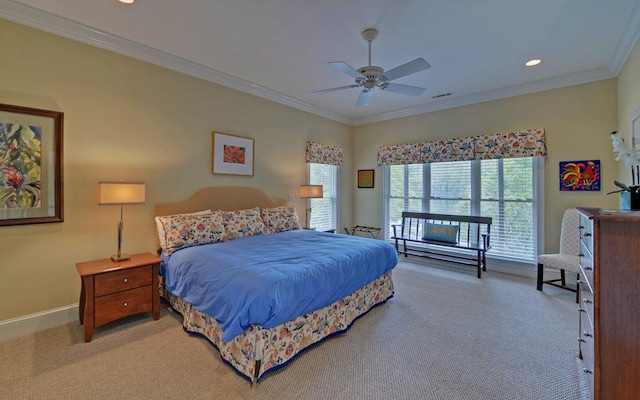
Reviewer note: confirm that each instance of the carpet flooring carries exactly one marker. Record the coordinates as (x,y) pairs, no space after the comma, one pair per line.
(444,335)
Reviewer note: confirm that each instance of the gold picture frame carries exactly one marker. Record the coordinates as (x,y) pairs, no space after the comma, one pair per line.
(232,154)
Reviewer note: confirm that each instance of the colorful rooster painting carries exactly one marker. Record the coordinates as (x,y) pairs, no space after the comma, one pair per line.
(580,175)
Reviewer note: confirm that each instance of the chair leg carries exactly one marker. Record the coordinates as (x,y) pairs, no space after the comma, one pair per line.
(562,278)
(540,276)
(578,288)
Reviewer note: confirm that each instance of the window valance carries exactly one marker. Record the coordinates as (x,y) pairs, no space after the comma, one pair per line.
(531,143)
(319,153)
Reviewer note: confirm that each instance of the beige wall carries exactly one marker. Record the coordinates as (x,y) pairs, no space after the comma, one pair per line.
(125,119)
(576,119)
(628,102)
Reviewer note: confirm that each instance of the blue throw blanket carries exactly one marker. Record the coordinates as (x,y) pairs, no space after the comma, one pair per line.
(271,279)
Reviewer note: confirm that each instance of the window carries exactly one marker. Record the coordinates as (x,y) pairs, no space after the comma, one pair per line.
(324,211)
(504,189)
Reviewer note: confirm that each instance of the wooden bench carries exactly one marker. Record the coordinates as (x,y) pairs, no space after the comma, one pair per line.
(471,236)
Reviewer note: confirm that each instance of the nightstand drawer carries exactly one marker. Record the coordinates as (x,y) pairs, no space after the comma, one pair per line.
(122,304)
(118,281)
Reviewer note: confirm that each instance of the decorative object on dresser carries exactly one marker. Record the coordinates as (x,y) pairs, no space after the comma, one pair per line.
(310,192)
(630,154)
(609,339)
(30,166)
(113,290)
(120,194)
(567,259)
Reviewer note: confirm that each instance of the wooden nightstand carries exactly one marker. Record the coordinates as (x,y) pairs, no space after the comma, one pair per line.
(113,290)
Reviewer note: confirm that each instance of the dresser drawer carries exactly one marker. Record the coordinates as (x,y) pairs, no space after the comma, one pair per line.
(586,263)
(122,304)
(587,351)
(586,303)
(118,281)
(586,232)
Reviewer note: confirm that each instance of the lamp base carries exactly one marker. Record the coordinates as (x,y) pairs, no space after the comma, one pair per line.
(121,257)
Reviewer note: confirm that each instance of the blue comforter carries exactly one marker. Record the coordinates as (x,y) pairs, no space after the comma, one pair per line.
(271,279)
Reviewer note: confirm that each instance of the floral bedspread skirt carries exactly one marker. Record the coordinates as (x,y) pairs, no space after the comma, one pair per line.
(259,350)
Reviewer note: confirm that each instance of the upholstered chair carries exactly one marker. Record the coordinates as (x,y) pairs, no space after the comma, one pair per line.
(567,259)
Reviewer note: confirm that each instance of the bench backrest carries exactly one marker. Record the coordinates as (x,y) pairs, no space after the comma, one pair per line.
(472,228)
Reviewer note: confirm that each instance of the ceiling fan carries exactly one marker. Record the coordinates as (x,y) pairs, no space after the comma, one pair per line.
(371,76)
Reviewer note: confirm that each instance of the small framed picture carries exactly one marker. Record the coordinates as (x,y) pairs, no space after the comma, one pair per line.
(365,178)
(232,155)
(580,175)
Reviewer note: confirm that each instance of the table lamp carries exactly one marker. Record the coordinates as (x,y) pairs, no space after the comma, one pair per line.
(120,194)
(310,192)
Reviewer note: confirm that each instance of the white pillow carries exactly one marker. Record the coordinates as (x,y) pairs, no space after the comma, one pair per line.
(160,228)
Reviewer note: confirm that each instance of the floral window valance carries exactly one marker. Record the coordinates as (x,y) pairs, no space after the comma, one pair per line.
(531,143)
(319,153)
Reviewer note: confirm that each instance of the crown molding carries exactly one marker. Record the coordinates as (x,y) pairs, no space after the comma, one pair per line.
(627,42)
(60,26)
(35,18)
(510,91)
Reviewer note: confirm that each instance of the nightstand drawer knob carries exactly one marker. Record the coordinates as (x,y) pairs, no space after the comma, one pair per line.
(125,280)
(586,234)
(587,334)
(587,301)
(126,304)
(587,371)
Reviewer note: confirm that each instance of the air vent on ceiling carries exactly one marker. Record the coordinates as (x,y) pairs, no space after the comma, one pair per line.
(441,95)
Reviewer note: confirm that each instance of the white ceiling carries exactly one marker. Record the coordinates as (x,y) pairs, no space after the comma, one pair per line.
(279,49)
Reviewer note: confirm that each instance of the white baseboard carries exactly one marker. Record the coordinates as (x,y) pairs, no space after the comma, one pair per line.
(32,323)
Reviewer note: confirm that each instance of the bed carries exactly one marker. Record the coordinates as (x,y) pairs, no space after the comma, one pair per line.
(258,287)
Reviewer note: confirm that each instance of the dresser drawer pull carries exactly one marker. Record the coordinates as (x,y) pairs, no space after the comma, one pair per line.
(581,340)
(580,309)
(587,371)
(586,268)
(586,234)
(581,282)
(125,280)
(586,301)
(125,304)
(587,334)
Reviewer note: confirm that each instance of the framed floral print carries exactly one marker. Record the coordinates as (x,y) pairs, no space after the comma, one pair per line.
(30,165)
(232,155)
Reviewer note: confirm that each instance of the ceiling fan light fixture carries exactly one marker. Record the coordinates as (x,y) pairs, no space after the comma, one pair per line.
(533,62)
(126,1)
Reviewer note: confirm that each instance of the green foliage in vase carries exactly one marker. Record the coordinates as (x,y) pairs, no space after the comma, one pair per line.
(20,166)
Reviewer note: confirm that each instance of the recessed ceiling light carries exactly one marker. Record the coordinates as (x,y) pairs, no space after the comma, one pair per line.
(533,62)
(126,1)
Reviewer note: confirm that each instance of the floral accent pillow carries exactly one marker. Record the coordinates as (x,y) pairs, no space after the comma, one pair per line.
(241,223)
(280,219)
(192,230)
(160,228)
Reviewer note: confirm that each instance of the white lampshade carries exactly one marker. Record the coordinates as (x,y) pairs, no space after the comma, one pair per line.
(119,193)
(310,191)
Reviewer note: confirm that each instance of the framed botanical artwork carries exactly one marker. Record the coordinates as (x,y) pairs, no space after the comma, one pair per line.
(30,165)
(365,178)
(580,175)
(232,155)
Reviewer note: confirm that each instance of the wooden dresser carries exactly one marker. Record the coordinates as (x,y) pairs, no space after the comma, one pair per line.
(610,302)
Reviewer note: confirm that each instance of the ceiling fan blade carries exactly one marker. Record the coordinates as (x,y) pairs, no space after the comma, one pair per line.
(364,97)
(403,89)
(417,65)
(333,89)
(347,69)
